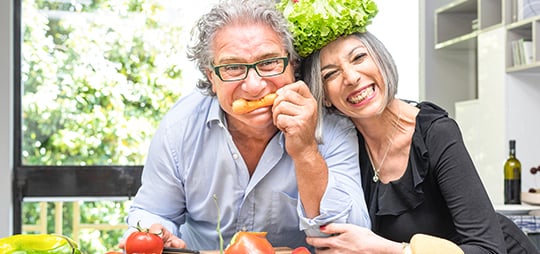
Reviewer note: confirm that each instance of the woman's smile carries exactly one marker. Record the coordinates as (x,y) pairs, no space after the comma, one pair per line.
(366,93)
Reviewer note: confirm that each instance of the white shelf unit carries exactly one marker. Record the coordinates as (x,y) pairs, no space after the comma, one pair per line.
(507,100)
(453,25)
(457,24)
(528,29)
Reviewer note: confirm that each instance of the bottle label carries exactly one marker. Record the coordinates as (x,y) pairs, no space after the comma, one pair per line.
(512,191)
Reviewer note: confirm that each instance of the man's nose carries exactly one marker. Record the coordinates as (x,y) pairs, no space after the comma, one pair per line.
(253,82)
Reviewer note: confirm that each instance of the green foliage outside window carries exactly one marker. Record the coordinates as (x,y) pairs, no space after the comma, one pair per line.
(97,77)
(100,212)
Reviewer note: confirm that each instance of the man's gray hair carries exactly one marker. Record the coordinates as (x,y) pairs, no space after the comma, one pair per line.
(228,12)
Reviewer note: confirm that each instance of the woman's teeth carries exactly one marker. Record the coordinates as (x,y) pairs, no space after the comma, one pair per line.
(361,96)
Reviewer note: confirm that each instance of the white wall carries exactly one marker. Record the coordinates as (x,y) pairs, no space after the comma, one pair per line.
(6,108)
(397,26)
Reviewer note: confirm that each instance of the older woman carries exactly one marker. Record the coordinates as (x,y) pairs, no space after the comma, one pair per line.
(417,175)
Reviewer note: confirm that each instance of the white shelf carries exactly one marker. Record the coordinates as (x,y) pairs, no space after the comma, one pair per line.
(526,68)
(466,41)
(529,30)
(458,23)
(454,21)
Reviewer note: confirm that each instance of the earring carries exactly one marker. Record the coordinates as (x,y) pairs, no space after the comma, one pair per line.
(327,104)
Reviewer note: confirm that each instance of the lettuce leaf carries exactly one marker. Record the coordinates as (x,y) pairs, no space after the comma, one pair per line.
(315,23)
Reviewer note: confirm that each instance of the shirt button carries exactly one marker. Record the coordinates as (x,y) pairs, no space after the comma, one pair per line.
(235,156)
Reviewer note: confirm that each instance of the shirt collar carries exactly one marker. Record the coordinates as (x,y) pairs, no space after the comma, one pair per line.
(216,115)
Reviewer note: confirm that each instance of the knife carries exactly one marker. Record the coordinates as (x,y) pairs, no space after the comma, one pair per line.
(168,250)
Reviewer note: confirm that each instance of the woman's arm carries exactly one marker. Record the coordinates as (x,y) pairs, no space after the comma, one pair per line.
(470,207)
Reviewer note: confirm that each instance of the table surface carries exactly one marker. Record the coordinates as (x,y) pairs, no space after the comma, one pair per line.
(522,209)
(279,250)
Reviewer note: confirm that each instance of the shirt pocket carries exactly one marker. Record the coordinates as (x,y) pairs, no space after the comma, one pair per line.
(283,214)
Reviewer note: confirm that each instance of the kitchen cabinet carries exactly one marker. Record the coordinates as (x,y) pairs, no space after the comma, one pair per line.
(470,65)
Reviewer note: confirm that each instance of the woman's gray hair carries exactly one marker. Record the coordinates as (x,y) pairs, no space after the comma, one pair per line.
(311,72)
(228,12)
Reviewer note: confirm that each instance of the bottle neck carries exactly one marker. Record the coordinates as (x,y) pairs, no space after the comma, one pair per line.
(512,152)
(512,146)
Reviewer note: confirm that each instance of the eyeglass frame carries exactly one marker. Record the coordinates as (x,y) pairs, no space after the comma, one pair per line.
(252,66)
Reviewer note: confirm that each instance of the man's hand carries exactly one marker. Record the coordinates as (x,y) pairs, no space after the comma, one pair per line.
(295,114)
(169,239)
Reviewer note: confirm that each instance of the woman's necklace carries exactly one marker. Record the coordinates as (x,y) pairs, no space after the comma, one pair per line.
(376,171)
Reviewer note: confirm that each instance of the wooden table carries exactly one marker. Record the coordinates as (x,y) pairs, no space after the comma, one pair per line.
(279,250)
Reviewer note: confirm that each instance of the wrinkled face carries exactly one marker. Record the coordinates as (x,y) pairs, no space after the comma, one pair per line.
(247,44)
(353,82)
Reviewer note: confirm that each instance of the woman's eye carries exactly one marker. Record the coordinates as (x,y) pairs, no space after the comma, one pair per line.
(359,57)
(328,75)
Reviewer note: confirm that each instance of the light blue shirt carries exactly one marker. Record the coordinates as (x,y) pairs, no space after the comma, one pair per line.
(192,157)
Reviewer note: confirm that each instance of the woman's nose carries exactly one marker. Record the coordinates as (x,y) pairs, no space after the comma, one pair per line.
(351,76)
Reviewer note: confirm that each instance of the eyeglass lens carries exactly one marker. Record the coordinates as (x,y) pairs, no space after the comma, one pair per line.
(264,68)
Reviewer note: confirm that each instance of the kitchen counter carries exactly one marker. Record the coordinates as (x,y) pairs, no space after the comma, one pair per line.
(279,250)
(522,209)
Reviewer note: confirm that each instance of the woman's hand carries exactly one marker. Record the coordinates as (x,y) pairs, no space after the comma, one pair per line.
(349,238)
(169,239)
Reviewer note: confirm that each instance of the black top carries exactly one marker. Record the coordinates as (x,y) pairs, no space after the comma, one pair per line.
(440,194)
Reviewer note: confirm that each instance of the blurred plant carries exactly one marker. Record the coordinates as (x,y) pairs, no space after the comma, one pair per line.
(96,77)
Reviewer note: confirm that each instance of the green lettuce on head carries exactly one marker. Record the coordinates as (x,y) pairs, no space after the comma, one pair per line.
(315,23)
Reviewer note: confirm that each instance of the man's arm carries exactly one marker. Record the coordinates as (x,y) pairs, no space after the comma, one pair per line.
(295,114)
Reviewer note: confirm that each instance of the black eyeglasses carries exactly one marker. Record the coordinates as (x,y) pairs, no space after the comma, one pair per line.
(264,68)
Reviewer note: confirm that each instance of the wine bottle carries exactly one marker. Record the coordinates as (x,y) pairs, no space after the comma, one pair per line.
(512,177)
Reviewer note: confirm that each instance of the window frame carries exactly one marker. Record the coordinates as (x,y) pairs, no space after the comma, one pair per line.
(57,182)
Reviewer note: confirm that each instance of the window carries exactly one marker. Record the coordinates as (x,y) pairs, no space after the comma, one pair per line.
(92,81)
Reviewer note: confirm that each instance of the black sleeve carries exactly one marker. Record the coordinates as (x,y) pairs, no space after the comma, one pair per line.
(470,207)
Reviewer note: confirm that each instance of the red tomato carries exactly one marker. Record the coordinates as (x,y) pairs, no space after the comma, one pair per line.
(250,243)
(143,242)
(301,250)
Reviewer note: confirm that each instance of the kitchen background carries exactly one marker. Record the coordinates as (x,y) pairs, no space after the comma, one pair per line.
(456,53)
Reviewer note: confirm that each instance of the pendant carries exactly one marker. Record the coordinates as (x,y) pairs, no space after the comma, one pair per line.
(375,178)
